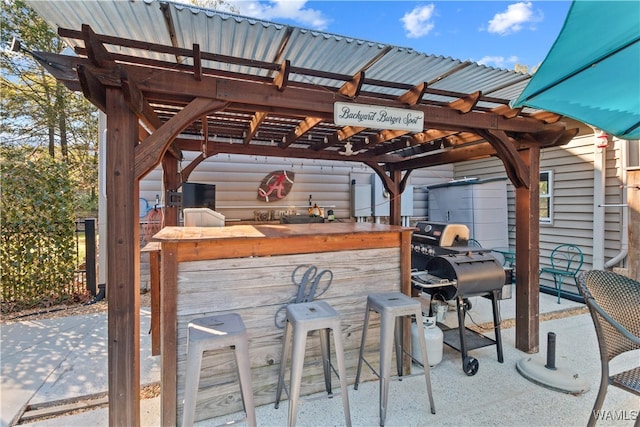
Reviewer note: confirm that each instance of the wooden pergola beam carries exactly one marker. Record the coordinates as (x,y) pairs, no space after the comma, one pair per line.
(281,78)
(351,89)
(92,89)
(256,121)
(467,103)
(341,135)
(516,169)
(301,128)
(506,111)
(197,62)
(413,95)
(149,154)
(96,52)
(379,138)
(260,96)
(473,152)
(275,151)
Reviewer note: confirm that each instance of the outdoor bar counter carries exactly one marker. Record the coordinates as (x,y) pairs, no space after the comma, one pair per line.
(247,269)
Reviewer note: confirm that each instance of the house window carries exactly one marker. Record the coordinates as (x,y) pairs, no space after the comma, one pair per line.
(546,197)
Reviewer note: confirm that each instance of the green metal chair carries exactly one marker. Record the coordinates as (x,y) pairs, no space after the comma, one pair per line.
(474,243)
(566,261)
(613,302)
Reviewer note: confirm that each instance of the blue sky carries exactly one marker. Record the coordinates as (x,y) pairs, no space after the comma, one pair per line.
(495,33)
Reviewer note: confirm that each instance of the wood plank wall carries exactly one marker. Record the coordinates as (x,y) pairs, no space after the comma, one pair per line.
(256,288)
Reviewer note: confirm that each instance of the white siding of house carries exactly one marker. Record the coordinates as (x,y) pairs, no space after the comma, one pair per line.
(328,182)
(573,201)
(237,178)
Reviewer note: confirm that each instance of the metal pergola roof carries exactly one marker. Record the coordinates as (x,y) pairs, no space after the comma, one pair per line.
(186,40)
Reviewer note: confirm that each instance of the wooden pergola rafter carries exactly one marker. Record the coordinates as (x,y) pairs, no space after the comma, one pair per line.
(157,109)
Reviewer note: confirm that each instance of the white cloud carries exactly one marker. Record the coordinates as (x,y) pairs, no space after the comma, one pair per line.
(282,9)
(498,61)
(419,22)
(513,19)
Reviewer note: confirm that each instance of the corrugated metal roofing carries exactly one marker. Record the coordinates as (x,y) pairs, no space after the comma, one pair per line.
(181,25)
(237,56)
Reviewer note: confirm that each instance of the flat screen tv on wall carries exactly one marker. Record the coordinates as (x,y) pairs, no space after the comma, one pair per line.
(196,195)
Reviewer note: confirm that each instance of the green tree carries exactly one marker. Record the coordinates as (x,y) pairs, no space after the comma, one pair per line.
(214,4)
(37,110)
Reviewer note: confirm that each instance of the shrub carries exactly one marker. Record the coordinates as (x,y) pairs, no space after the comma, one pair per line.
(37,251)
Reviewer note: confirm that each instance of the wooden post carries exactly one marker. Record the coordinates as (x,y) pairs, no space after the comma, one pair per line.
(527,256)
(123,263)
(154,279)
(405,287)
(171,179)
(168,334)
(633,200)
(395,204)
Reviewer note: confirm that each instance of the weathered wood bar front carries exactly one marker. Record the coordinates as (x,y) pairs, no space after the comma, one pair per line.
(248,269)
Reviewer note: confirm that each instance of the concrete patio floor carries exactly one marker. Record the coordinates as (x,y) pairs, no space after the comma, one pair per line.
(64,358)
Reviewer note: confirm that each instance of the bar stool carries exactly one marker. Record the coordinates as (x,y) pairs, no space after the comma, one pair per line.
(211,333)
(392,307)
(301,319)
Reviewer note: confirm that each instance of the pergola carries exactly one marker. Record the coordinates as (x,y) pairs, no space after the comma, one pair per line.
(163,99)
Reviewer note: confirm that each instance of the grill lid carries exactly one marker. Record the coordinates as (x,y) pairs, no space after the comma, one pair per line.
(441,234)
(467,275)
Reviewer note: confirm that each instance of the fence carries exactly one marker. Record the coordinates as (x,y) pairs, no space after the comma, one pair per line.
(85,276)
(42,267)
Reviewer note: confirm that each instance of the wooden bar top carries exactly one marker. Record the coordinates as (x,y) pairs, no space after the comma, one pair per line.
(260,231)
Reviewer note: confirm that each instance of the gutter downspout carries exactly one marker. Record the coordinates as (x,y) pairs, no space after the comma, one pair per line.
(624,231)
(599,187)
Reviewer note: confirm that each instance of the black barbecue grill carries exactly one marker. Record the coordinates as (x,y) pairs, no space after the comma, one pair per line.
(445,267)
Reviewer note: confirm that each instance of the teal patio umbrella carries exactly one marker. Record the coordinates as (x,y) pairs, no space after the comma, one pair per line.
(592,72)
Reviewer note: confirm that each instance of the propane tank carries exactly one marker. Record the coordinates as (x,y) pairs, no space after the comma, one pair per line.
(433,337)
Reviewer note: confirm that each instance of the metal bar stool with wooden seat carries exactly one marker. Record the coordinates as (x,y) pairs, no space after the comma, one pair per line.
(301,319)
(392,307)
(212,333)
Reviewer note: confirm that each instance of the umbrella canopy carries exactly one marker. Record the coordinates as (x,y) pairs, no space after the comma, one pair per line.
(592,72)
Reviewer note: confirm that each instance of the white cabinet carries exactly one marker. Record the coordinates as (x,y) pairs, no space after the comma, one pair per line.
(381,203)
(481,205)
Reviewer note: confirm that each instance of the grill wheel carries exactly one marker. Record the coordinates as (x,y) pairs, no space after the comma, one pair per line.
(470,365)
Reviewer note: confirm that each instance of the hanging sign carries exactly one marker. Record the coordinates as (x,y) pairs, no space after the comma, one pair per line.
(377,117)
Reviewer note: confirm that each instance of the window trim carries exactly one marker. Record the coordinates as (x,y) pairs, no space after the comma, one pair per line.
(547,220)
(634,153)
